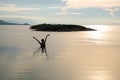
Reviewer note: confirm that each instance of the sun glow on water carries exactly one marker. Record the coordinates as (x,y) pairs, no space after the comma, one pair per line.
(99,75)
(100,27)
(96,35)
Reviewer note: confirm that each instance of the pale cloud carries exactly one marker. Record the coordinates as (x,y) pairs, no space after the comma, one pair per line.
(108,5)
(22,17)
(55,7)
(112,11)
(36,5)
(14,8)
(8,5)
(92,3)
(70,13)
(64,11)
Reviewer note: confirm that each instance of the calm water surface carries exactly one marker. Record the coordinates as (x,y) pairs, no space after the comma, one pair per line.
(85,55)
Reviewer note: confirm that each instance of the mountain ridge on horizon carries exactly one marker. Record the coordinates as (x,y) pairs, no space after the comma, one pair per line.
(2,22)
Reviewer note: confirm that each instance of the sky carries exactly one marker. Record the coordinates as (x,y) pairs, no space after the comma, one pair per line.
(85,12)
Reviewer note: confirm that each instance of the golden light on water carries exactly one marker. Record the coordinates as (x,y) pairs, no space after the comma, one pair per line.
(99,35)
(100,75)
(99,27)
(96,35)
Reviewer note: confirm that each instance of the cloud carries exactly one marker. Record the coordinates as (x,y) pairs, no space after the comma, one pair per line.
(112,11)
(9,5)
(14,8)
(111,6)
(55,7)
(92,3)
(70,13)
(22,17)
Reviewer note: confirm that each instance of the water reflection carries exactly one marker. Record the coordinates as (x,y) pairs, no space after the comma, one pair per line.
(41,50)
(100,27)
(100,75)
(97,37)
(70,56)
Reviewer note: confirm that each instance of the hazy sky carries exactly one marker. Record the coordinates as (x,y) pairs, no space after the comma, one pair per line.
(61,11)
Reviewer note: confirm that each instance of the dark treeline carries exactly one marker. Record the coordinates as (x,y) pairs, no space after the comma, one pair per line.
(59,27)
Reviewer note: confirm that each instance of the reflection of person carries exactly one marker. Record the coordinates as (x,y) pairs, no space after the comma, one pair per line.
(43,50)
(43,41)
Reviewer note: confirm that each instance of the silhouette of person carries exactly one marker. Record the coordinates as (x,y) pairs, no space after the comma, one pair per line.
(43,41)
(42,46)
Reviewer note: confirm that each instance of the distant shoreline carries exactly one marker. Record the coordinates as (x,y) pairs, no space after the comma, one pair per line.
(2,22)
(60,27)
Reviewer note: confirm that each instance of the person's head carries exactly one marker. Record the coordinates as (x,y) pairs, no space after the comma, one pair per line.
(42,40)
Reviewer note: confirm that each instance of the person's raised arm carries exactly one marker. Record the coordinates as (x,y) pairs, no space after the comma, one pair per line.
(46,37)
(37,40)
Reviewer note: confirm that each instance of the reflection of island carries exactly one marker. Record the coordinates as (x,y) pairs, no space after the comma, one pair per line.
(59,27)
(2,22)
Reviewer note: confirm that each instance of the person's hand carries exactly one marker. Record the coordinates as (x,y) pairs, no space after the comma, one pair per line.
(33,37)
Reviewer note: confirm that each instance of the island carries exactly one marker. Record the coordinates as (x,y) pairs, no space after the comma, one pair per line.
(60,27)
(2,22)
